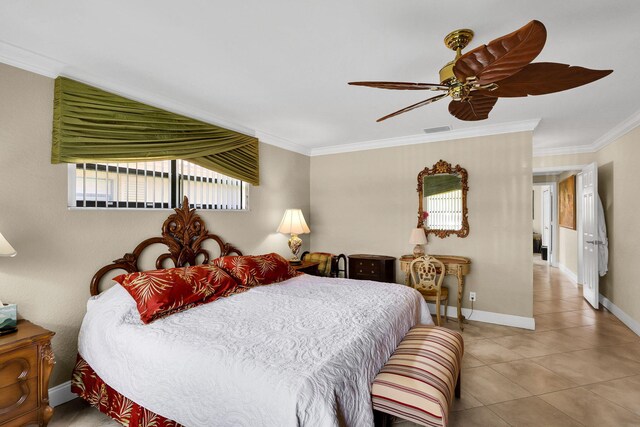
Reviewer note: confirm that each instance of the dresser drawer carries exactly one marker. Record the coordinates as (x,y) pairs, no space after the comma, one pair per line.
(17,399)
(379,268)
(18,364)
(26,420)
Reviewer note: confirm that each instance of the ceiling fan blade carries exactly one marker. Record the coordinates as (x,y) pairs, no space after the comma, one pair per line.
(540,78)
(402,85)
(475,107)
(414,106)
(503,56)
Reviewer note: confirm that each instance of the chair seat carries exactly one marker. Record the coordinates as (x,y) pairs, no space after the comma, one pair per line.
(432,296)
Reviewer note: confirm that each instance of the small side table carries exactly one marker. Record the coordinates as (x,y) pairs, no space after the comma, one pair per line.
(308,267)
(26,361)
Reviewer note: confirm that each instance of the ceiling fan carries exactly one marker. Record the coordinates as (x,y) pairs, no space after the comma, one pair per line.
(475,80)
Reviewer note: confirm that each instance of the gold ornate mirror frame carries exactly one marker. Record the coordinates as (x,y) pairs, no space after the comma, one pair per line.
(443,167)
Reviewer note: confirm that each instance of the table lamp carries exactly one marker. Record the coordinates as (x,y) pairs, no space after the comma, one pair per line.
(418,238)
(293,222)
(8,312)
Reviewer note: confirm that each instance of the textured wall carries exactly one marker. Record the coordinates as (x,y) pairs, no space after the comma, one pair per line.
(59,249)
(366,202)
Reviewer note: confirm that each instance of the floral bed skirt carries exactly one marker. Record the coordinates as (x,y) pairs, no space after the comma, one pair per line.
(88,385)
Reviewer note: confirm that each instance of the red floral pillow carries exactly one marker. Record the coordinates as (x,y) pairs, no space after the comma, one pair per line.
(159,293)
(257,270)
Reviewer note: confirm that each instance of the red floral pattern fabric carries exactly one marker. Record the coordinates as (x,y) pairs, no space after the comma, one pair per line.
(88,385)
(257,270)
(159,293)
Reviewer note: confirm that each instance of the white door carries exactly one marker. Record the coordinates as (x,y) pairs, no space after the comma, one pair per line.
(590,244)
(546,217)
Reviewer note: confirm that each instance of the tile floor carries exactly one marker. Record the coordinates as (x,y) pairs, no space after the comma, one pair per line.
(580,367)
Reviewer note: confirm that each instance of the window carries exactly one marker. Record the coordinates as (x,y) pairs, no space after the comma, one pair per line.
(445,210)
(153,185)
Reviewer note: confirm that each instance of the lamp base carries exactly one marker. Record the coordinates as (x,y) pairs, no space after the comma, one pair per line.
(294,244)
(418,251)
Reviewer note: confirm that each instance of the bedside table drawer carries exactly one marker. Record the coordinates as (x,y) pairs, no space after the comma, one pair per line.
(17,399)
(367,267)
(18,364)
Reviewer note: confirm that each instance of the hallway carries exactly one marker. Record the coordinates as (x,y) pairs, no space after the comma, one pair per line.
(579,367)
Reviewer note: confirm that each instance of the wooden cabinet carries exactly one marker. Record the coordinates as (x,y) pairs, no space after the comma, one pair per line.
(26,361)
(309,267)
(372,267)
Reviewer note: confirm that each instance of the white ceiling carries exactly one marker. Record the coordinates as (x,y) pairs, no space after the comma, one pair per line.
(281,67)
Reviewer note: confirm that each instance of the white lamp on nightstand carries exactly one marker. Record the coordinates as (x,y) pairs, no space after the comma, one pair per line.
(418,238)
(293,222)
(8,312)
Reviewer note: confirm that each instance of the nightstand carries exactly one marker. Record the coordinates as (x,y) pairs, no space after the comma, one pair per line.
(26,361)
(309,267)
(372,267)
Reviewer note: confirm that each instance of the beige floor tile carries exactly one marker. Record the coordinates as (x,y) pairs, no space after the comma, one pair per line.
(600,335)
(488,386)
(532,412)
(550,321)
(590,409)
(589,366)
(489,352)
(560,342)
(476,417)
(629,350)
(78,413)
(532,377)
(624,392)
(525,345)
(468,361)
(466,401)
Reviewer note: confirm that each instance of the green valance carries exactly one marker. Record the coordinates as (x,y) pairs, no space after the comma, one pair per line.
(438,184)
(91,125)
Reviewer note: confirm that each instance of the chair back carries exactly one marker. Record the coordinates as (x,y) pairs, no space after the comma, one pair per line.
(325,260)
(427,273)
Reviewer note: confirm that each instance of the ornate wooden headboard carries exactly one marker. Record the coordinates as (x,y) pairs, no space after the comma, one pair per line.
(183,233)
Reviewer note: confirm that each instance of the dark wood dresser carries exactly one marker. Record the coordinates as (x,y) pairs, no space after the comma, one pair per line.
(26,361)
(372,267)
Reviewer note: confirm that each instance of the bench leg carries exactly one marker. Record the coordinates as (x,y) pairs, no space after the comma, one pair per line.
(381,419)
(458,388)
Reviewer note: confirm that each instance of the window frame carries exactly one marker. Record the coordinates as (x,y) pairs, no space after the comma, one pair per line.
(175,190)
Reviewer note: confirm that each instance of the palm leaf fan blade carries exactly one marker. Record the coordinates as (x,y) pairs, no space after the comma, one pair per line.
(503,56)
(541,78)
(475,107)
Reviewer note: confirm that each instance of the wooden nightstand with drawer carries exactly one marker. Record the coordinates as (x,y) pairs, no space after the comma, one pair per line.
(372,267)
(26,361)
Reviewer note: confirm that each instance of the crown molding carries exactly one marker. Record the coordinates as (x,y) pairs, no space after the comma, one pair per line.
(493,129)
(285,144)
(30,61)
(559,151)
(617,131)
(48,67)
(612,135)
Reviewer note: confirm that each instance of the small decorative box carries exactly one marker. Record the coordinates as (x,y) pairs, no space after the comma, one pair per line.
(8,318)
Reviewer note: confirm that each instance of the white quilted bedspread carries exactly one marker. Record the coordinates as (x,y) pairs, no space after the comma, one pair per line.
(298,353)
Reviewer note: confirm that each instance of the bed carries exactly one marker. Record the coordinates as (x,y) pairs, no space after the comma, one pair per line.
(302,352)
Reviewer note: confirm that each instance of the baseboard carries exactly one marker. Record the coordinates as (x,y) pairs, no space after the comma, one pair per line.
(61,394)
(569,273)
(631,323)
(491,317)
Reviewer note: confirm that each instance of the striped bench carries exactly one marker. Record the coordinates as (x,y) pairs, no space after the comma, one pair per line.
(421,377)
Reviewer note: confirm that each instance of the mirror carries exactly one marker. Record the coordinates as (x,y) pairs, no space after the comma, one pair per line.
(442,200)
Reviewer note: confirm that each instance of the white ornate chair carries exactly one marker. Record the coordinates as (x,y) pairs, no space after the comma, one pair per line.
(427,274)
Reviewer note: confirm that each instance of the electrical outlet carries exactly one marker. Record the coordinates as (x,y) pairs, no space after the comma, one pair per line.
(472,296)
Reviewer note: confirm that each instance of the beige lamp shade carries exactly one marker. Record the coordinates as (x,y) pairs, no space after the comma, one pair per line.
(5,247)
(418,237)
(293,223)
